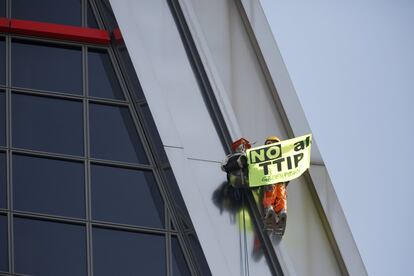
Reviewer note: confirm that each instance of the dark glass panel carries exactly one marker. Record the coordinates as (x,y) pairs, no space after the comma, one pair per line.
(49,248)
(48,186)
(134,84)
(155,137)
(126,196)
(3,181)
(47,124)
(127,253)
(2,61)
(113,135)
(108,16)
(4,259)
(92,23)
(176,194)
(180,267)
(3,8)
(2,118)
(68,12)
(199,255)
(102,80)
(47,67)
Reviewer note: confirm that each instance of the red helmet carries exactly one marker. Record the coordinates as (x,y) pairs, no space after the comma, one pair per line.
(236,144)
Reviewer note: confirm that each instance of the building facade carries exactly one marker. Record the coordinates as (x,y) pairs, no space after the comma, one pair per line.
(114,118)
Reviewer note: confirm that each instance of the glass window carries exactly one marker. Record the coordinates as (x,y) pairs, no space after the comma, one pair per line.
(113,135)
(49,67)
(2,60)
(3,181)
(127,253)
(48,186)
(4,259)
(47,124)
(180,267)
(199,255)
(176,194)
(67,12)
(91,18)
(155,137)
(3,8)
(49,248)
(107,15)
(102,79)
(126,196)
(130,73)
(2,118)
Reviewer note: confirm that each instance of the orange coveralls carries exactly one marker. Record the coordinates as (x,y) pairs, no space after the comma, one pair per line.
(275,196)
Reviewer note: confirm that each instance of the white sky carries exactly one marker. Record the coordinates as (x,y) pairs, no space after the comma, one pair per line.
(352,64)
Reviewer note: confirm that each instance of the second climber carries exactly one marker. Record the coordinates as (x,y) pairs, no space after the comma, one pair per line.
(275,196)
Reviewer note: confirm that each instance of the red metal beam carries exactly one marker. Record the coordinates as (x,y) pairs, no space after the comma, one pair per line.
(4,25)
(59,31)
(118,36)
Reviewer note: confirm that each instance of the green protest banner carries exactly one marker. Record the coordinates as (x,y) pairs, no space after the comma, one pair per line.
(279,162)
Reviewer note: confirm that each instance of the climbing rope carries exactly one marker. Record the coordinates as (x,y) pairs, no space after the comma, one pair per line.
(246,253)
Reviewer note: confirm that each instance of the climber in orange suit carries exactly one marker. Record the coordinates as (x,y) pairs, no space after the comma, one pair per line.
(275,196)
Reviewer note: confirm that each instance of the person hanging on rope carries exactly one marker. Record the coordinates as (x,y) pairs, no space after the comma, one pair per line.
(275,195)
(235,164)
(274,199)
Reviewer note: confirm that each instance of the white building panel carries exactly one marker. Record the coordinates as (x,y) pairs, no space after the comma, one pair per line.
(246,96)
(257,117)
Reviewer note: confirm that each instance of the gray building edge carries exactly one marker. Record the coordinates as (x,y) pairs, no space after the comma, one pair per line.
(256,98)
